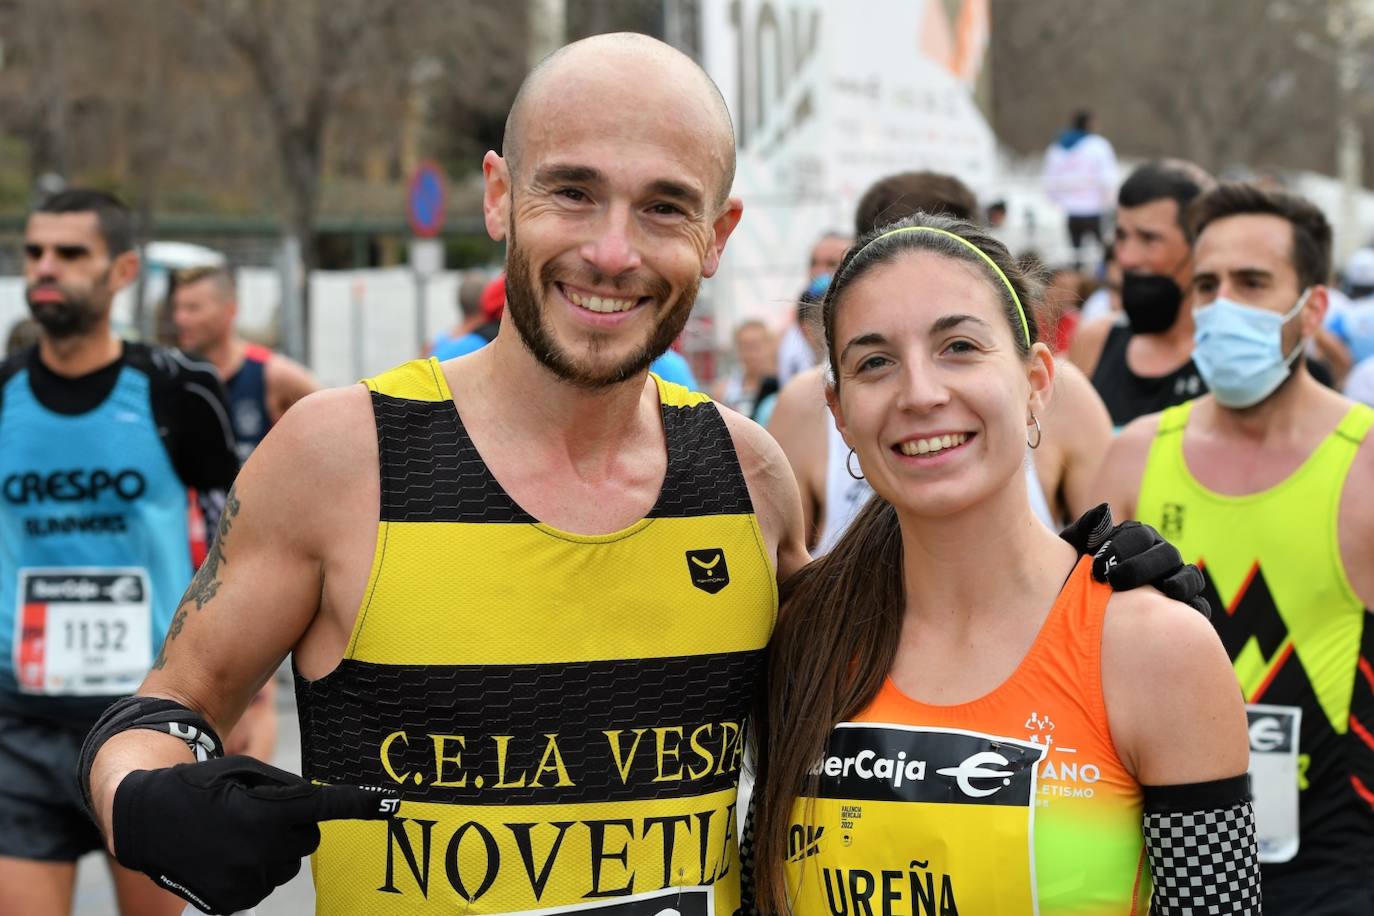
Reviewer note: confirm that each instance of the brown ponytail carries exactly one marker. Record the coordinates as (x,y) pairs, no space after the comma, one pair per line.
(832,649)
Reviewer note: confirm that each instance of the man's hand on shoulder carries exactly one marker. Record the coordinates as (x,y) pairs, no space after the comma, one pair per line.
(773,491)
(1130,555)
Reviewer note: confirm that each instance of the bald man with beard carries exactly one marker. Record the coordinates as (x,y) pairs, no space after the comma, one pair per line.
(526,590)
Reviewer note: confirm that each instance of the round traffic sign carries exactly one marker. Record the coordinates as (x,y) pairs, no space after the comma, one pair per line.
(425,201)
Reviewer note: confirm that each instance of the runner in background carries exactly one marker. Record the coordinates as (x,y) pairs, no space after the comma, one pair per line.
(1060,306)
(1146,364)
(491,303)
(672,366)
(752,385)
(1080,175)
(1268,485)
(797,345)
(262,386)
(1348,336)
(463,338)
(1105,301)
(101,441)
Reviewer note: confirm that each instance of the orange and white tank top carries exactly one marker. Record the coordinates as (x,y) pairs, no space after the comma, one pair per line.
(1015,802)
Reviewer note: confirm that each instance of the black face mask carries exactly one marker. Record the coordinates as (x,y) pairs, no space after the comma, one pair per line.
(1151,302)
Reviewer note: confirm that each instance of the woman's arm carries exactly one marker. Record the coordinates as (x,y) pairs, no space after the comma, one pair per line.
(1178,721)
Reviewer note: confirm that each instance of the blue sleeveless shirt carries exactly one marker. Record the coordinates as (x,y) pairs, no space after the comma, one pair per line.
(94,544)
(248,400)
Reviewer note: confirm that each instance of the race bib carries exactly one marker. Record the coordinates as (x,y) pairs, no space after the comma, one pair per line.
(82,631)
(916,821)
(1274,779)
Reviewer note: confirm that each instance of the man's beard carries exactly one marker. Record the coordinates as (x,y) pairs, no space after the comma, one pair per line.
(522,302)
(74,315)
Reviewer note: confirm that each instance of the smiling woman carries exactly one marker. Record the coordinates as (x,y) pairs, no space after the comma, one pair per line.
(953,719)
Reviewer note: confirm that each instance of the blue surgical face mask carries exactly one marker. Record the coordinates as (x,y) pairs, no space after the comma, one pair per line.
(1238,350)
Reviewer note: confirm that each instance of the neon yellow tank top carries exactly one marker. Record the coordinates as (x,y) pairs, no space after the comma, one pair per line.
(1294,628)
(562,714)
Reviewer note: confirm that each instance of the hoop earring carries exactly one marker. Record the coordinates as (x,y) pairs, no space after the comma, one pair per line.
(849,466)
(1039,433)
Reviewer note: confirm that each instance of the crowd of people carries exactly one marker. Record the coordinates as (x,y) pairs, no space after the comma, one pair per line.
(545,603)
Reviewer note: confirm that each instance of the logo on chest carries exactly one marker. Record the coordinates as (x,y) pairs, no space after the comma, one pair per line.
(1063,771)
(1188,386)
(1171,521)
(708,569)
(74,485)
(249,422)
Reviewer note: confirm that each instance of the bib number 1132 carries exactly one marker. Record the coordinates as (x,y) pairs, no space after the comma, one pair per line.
(82,632)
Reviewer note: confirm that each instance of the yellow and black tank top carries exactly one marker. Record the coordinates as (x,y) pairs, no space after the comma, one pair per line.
(562,714)
(1298,637)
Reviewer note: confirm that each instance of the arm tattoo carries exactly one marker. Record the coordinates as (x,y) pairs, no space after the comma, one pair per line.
(205,585)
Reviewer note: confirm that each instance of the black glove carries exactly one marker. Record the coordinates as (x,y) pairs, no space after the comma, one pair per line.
(1131,555)
(224,833)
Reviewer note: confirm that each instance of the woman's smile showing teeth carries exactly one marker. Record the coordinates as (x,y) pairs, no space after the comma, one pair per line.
(602,304)
(932,445)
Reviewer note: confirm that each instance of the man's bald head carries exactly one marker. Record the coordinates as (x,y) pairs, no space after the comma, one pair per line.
(609,69)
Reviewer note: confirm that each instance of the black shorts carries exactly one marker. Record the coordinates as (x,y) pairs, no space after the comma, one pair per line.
(41,812)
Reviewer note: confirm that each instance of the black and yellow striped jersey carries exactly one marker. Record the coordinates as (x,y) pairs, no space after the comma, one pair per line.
(562,714)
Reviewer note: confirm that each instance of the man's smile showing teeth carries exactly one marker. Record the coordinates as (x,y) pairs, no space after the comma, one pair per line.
(603,304)
(933,445)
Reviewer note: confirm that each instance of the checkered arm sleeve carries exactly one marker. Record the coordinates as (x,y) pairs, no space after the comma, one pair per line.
(1201,843)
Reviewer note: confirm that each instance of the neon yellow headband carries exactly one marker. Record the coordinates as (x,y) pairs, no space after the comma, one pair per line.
(1020,310)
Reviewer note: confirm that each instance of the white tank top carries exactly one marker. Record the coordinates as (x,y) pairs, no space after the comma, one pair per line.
(845,496)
